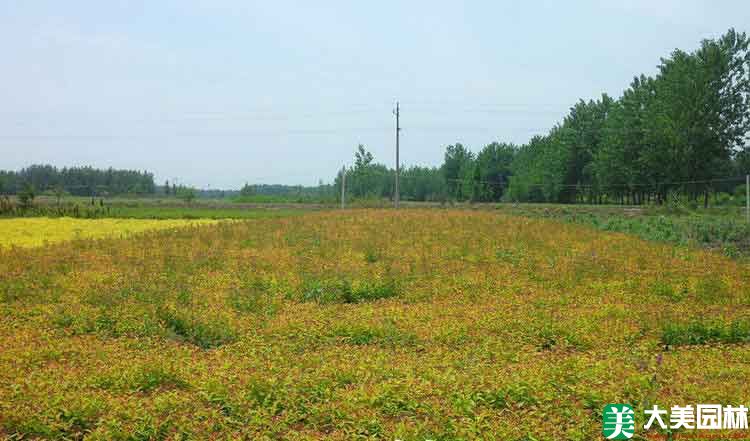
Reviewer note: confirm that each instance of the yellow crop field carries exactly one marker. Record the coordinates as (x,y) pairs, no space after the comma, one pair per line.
(364,324)
(37,231)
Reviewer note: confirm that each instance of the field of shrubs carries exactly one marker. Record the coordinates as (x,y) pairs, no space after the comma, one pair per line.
(364,324)
(38,231)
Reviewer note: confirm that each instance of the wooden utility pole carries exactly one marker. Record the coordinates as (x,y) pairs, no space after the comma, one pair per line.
(396,193)
(343,187)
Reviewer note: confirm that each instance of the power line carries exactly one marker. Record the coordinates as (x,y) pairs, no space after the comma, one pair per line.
(199,134)
(272,113)
(542,132)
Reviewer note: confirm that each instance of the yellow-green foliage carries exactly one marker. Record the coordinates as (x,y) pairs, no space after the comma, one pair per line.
(36,231)
(363,325)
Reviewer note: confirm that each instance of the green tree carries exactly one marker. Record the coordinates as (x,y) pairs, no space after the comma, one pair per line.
(367,179)
(458,171)
(26,195)
(581,136)
(59,192)
(539,169)
(493,170)
(248,191)
(703,109)
(187,194)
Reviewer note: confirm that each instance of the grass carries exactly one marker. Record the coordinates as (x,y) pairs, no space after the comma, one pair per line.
(347,291)
(703,332)
(364,324)
(387,334)
(141,379)
(205,332)
(723,229)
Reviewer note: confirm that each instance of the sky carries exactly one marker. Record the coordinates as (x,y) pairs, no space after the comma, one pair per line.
(218,93)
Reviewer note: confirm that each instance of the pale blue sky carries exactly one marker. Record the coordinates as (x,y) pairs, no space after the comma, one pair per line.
(222,92)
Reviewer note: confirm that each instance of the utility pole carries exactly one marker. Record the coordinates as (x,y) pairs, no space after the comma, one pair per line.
(343,187)
(398,171)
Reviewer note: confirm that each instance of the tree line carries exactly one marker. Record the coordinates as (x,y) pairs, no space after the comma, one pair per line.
(278,193)
(681,130)
(78,181)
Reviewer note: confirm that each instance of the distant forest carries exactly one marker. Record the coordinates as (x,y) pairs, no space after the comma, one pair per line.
(78,181)
(93,182)
(89,181)
(682,131)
